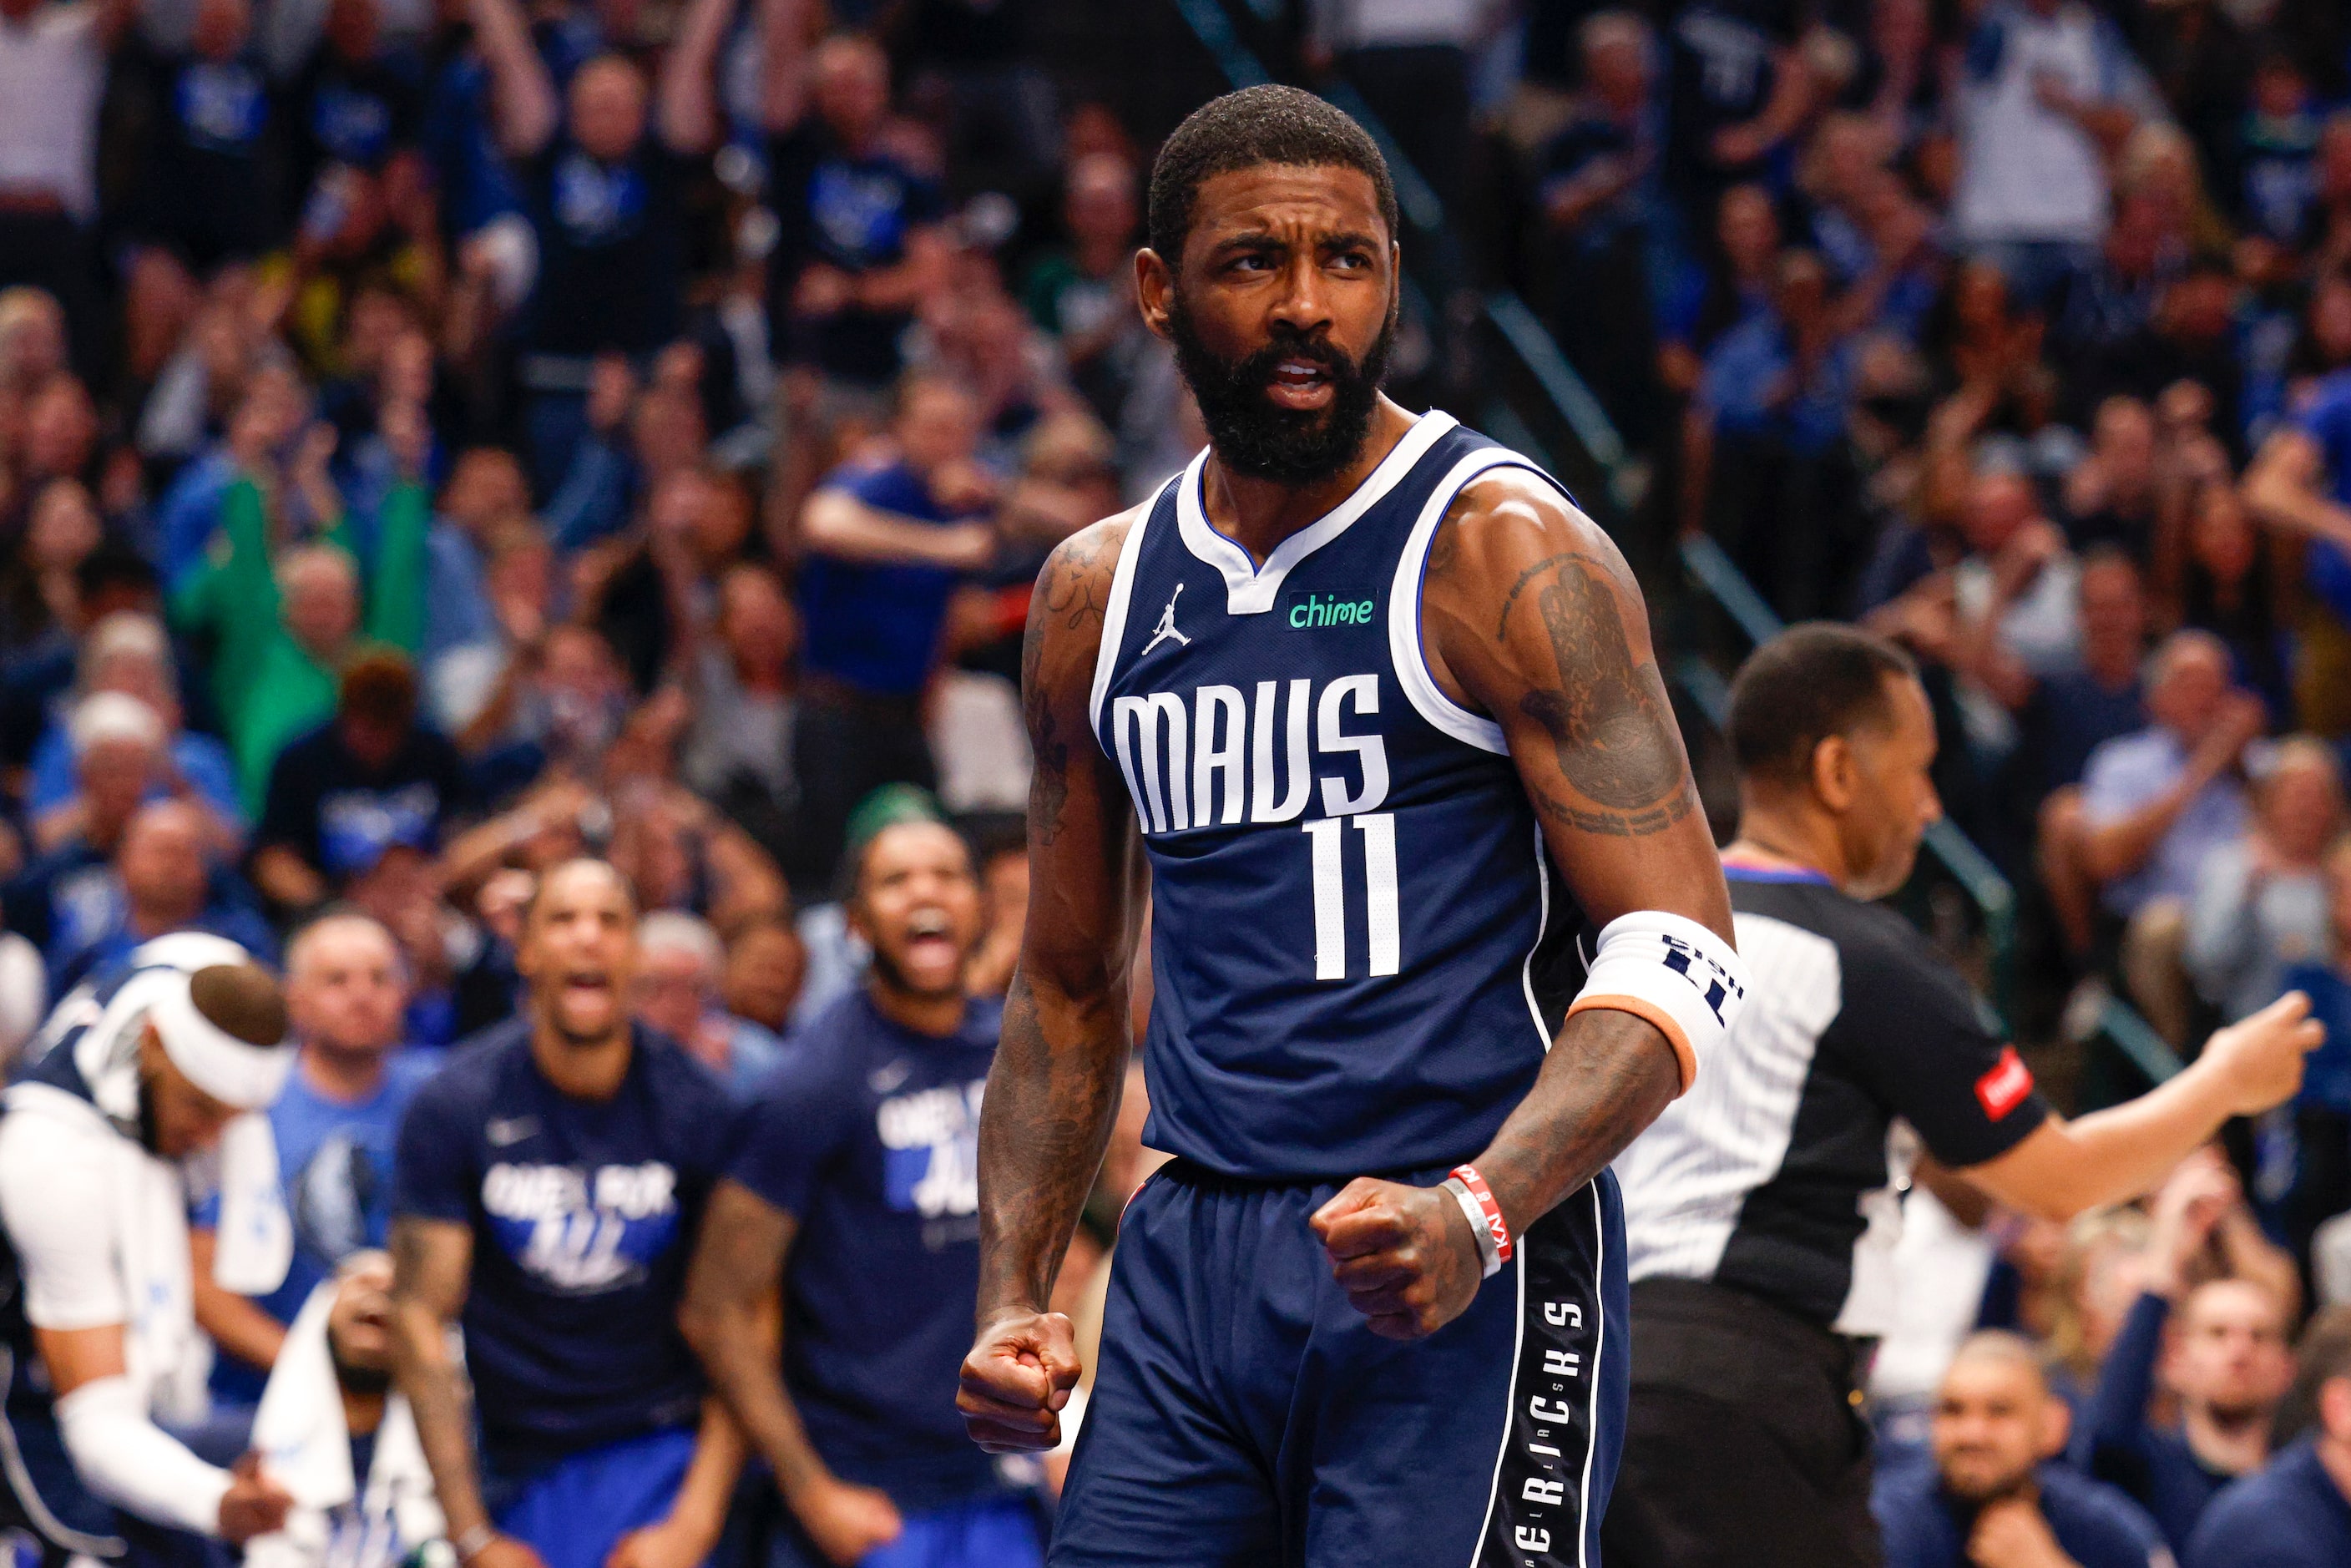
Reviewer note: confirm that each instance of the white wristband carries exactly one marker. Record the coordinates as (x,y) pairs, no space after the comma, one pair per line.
(1490,1251)
(1673,972)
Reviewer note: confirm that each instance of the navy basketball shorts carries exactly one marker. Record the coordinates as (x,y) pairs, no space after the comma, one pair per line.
(1244,1413)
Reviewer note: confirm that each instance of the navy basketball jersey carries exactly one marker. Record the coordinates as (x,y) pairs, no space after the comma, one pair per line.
(1359,954)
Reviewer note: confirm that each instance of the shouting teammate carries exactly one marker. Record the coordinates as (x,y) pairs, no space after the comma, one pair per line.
(549,1184)
(1379,705)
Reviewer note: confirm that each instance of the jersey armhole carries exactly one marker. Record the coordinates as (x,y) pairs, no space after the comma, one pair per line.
(1406,651)
(1122,588)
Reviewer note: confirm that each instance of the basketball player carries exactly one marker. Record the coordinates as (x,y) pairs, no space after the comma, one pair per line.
(1377,704)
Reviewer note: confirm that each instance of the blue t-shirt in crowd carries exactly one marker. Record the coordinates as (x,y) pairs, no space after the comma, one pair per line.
(583,1215)
(334,1161)
(2097,1526)
(874,625)
(201,761)
(2326,1072)
(2287,1514)
(869,1135)
(2325,418)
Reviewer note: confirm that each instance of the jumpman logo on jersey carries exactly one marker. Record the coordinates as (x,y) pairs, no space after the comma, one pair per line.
(1166,628)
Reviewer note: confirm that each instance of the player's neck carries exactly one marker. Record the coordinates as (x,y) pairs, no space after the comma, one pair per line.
(1787,839)
(1258,513)
(580,1070)
(938,1016)
(345,1077)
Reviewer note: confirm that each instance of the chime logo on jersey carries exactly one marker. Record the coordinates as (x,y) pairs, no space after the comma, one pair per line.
(930,1150)
(582,1231)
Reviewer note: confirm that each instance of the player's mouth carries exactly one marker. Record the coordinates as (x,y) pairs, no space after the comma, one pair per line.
(930,939)
(1300,383)
(589,986)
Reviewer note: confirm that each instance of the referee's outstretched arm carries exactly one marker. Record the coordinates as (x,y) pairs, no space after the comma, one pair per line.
(2063,1167)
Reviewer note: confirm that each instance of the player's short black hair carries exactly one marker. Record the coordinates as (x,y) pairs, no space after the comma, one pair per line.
(1243,130)
(1811,681)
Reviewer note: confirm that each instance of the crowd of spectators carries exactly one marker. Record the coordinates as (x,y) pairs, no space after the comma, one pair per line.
(2019,330)
(438,441)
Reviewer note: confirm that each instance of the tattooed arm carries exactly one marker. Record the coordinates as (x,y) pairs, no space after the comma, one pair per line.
(1530,617)
(1054,1091)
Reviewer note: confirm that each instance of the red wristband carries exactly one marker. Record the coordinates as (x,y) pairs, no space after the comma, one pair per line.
(1495,1226)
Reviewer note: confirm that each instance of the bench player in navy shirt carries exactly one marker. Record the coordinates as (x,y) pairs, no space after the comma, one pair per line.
(1376,703)
(1992,1493)
(860,1166)
(550,1181)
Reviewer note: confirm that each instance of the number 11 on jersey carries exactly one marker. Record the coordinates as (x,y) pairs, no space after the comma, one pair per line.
(1378,828)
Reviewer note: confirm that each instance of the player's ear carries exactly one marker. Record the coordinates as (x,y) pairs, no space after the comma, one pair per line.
(1155,290)
(1836,779)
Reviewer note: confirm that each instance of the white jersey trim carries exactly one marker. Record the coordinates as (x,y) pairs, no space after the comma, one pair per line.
(1250,590)
(1122,588)
(1406,651)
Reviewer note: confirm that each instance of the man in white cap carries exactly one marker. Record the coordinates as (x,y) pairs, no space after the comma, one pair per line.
(97,1146)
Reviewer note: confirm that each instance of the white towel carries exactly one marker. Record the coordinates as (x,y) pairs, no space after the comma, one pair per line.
(306,1446)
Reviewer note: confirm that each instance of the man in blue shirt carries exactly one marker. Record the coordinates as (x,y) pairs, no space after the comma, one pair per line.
(859,1166)
(2227,1365)
(1992,1495)
(549,1183)
(2300,482)
(2296,1512)
(886,543)
(346,993)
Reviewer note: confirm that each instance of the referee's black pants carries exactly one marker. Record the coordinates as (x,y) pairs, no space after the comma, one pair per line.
(1745,1447)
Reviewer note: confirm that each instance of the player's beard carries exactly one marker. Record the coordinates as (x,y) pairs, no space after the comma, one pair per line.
(353,1378)
(1258,439)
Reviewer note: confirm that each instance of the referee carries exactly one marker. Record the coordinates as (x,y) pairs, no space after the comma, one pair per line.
(1761,1208)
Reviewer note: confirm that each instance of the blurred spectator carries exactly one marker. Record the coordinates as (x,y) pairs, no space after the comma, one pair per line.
(53,70)
(1738,88)
(370,777)
(334,1124)
(860,246)
(2321,1188)
(886,538)
(485,488)
(603,192)
(2260,905)
(1084,293)
(765,964)
(740,752)
(2152,806)
(2048,91)
(1764,455)
(2295,1512)
(2110,495)
(678,992)
(1994,1496)
(67,895)
(859,1170)
(2072,711)
(162,882)
(2227,1365)
(128,653)
(2300,483)
(1599,189)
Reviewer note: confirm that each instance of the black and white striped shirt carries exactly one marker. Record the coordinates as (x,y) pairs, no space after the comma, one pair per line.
(1779,1173)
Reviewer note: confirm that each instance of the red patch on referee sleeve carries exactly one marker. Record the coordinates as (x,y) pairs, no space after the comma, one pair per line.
(2003,1089)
